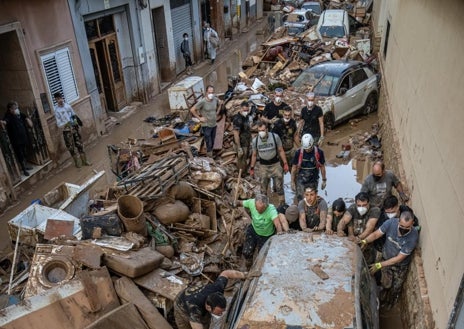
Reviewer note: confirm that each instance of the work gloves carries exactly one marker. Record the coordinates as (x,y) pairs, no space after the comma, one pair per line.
(373,268)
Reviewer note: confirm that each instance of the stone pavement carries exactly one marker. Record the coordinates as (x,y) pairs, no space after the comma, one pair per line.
(130,124)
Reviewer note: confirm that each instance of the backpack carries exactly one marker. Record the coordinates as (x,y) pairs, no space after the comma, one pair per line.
(316,154)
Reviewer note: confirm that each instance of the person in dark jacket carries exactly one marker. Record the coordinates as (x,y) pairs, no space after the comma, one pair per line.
(16,124)
(185,49)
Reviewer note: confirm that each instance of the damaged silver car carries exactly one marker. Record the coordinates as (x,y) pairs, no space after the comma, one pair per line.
(307,281)
(343,89)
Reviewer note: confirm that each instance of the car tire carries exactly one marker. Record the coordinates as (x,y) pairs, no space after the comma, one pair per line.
(371,104)
(329,120)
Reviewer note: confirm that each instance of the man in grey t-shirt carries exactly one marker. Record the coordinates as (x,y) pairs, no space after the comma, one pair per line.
(379,185)
(268,148)
(401,240)
(206,111)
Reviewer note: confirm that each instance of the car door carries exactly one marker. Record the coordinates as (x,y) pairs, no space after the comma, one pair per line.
(358,89)
(343,102)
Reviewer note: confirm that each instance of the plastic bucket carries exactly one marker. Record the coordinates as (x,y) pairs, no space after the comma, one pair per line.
(130,211)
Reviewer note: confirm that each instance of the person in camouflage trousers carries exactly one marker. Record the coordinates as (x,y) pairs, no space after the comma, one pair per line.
(67,119)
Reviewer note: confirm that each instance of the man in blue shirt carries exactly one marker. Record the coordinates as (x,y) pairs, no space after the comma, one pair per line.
(401,240)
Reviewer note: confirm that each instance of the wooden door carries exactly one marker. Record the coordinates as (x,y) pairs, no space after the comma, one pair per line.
(115,73)
(98,74)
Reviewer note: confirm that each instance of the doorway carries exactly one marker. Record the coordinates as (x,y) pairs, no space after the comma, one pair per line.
(106,62)
(162,49)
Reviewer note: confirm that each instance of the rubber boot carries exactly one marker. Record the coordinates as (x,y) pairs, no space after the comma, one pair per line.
(84,160)
(77,161)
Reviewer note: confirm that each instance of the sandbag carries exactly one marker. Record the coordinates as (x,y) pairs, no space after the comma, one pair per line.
(182,191)
(172,213)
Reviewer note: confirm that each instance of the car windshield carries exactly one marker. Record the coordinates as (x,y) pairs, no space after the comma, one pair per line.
(332,31)
(315,8)
(320,83)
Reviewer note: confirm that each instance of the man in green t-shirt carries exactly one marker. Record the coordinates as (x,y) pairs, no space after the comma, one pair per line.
(264,223)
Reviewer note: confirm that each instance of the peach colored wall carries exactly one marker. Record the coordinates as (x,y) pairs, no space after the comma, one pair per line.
(46,24)
(424,75)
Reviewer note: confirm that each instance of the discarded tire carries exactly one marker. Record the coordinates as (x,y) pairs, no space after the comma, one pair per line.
(130,211)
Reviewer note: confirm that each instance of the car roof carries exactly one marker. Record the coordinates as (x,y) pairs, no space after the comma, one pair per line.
(289,292)
(336,67)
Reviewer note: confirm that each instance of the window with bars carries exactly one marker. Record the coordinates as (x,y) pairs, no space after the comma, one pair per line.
(60,74)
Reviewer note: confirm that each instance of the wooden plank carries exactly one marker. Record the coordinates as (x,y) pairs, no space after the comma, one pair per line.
(125,316)
(129,292)
(219,139)
(280,41)
(160,282)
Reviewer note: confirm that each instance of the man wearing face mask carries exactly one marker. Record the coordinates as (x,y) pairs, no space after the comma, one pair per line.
(379,184)
(392,209)
(242,135)
(273,111)
(361,219)
(195,306)
(307,162)
(286,129)
(267,146)
(312,119)
(313,210)
(401,240)
(185,49)
(207,110)
(16,125)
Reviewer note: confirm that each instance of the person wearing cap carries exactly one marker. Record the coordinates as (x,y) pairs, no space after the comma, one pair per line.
(288,216)
(335,214)
(286,129)
(274,110)
(312,119)
(307,163)
(267,148)
(242,135)
(312,211)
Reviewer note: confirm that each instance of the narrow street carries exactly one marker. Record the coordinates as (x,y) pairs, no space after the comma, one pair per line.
(345,174)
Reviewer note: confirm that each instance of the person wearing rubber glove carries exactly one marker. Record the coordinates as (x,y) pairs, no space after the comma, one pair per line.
(242,135)
(391,270)
(307,163)
(267,149)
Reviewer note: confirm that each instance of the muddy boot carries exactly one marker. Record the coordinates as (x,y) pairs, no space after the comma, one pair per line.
(77,161)
(84,160)
(209,154)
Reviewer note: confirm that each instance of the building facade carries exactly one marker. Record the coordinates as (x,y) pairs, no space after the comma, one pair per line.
(422,42)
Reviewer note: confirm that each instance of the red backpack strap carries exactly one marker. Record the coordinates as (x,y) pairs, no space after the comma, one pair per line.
(300,159)
(318,157)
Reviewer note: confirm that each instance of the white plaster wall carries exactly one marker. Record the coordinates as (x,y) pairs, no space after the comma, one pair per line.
(424,71)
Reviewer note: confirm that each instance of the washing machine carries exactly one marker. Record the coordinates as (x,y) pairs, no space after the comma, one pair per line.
(51,266)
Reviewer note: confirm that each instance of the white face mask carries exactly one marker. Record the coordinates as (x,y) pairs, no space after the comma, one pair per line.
(262,134)
(278,100)
(17,112)
(310,104)
(215,316)
(208,29)
(210,96)
(391,215)
(286,119)
(186,38)
(244,113)
(362,210)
